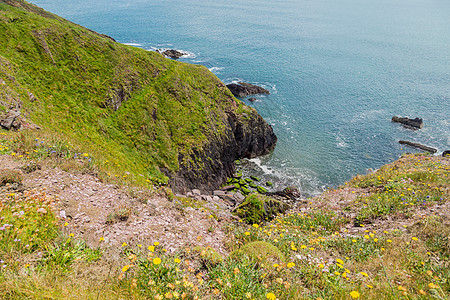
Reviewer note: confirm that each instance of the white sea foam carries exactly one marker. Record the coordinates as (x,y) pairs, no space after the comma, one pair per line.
(164,45)
(264,168)
(133,44)
(215,69)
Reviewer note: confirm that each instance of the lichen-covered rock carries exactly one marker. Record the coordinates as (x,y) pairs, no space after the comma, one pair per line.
(263,253)
(257,208)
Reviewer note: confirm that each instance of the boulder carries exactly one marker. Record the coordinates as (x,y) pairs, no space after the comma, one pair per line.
(175,54)
(290,193)
(410,123)
(251,99)
(243,89)
(11,121)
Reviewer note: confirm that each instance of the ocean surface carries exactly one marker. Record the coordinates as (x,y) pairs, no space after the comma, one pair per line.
(338,70)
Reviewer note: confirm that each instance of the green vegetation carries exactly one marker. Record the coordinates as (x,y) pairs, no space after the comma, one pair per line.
(400,188)
(257,208)
(260,252)
(133,110)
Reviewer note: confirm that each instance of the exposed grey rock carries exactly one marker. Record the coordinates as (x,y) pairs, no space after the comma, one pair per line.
(239,197)
(196,192)
(32,97)
(11,121)
(218,193)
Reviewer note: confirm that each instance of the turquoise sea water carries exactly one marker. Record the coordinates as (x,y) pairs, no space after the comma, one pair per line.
(338,70)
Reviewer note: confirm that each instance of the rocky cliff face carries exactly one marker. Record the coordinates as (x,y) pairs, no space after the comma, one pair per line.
(141,115)
(207,168)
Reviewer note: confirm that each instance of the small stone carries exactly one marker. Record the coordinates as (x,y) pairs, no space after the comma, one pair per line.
(219,193)
(196,192)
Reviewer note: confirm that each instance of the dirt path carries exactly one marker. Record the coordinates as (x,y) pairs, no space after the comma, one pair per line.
(86,203)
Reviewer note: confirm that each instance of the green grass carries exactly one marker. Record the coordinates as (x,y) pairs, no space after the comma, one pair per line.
(134,110)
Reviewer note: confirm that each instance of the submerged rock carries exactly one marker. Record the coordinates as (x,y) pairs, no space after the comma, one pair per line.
(243,89)
(414,123)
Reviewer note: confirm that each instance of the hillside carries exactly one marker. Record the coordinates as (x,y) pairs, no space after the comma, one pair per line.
(141,116)
(69,235)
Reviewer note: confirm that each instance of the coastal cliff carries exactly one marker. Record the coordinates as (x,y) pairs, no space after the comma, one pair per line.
(139,114)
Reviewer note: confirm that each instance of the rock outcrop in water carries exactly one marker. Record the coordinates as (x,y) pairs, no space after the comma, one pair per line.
(410,123)
(175,54)
(419,146)
(243,89)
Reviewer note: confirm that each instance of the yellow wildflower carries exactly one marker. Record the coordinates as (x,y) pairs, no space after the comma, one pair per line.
(432,285)
(156,261)
(271,296)
(125,268)
(354,294)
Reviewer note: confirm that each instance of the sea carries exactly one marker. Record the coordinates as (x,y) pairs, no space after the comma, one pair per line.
(337,71)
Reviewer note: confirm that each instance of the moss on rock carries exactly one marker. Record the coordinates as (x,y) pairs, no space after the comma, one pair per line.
(257,208)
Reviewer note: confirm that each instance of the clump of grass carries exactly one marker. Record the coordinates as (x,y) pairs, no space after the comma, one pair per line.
(120,214)
(10,176)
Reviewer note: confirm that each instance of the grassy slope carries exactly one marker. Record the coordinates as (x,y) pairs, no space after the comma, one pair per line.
(78,76)
(379,236)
